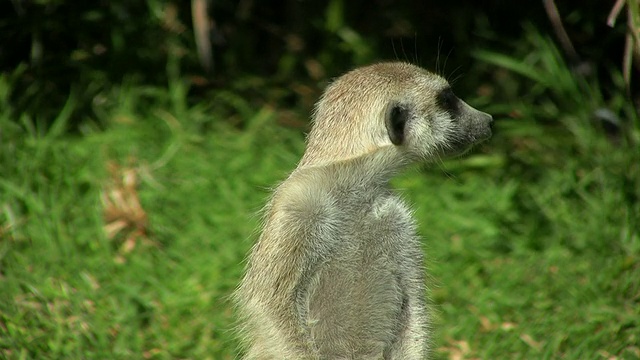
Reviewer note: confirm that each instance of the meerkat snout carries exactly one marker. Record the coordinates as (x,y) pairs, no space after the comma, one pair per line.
(470,126)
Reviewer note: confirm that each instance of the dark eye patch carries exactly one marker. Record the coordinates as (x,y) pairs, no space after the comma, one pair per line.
(448,101)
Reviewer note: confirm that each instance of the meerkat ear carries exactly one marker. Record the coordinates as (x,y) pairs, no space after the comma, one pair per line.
(397,117)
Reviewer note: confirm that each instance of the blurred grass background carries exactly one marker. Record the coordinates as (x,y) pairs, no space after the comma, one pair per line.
(132,169)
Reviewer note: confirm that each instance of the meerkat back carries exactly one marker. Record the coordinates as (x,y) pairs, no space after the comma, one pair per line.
(337,272)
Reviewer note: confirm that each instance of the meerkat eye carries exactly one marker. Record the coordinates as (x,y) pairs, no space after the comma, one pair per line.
(448,100)
(397,117)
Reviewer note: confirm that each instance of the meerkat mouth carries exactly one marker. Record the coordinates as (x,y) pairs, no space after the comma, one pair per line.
(459,147)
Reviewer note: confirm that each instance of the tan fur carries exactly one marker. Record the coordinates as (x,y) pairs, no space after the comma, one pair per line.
(337,272)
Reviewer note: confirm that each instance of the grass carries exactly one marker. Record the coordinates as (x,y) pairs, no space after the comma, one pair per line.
(127,242)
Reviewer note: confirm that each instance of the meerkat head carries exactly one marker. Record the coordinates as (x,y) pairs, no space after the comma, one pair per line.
(395,107)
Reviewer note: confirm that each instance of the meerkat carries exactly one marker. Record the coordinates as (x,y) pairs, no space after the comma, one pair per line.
(337,272)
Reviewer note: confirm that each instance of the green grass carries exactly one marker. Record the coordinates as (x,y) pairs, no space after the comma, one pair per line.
(532,241)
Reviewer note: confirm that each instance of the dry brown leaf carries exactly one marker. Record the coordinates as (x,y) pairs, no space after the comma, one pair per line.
(605,354)
(125,219)
(530,341)
(486,324)
(457,349)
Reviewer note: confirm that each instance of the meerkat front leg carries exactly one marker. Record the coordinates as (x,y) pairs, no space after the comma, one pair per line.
(413,342)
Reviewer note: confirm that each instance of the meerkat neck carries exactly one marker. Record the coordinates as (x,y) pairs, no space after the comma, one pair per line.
(378,166)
